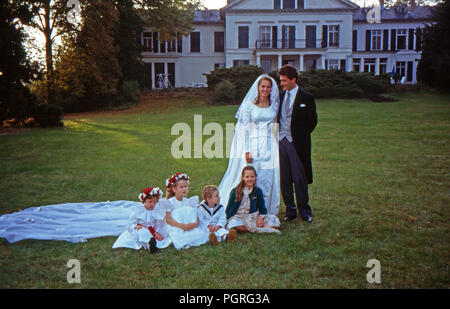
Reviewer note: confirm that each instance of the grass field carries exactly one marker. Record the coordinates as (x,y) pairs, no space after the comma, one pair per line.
(381,191)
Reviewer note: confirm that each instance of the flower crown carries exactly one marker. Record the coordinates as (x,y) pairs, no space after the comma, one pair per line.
(148,192)
(178,176)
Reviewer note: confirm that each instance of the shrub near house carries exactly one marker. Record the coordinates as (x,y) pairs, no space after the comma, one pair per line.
(339,84)
(242,78)
(321,83)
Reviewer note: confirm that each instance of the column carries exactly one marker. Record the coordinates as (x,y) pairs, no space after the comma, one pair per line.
(258,60)
(377,66)
(153,75)
(361,67)
(302,63)
(322,65)
(280,61)
(166,74)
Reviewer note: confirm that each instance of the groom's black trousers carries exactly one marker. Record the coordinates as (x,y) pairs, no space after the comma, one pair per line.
(293,173)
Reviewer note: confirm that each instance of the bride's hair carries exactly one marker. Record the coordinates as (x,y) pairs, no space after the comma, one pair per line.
(267,78)
(240,187)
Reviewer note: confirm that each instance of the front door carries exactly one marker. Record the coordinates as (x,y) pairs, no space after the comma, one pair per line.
(266,65)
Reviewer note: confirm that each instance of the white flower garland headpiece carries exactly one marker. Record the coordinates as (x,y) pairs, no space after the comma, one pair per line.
(176,177)
(151,191)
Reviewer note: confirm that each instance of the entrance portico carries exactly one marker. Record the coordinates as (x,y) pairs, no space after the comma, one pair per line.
(303,61)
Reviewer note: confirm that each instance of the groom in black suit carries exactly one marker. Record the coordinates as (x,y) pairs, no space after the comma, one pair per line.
(297,118)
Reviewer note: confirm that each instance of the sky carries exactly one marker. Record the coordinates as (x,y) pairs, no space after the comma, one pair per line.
(217,4)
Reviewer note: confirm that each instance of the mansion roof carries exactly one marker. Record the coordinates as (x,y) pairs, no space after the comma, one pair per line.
(394,14)
(397,14)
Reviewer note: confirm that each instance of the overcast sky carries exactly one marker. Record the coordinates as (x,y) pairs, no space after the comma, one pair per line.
(216,4)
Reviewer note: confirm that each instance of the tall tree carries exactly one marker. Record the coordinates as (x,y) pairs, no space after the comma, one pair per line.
(15,68)
(88,67)
(390,3)
(51,20)
(127,34)
(168,17)
(434,64)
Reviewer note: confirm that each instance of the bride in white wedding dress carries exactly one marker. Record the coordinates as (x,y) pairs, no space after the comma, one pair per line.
(255,143)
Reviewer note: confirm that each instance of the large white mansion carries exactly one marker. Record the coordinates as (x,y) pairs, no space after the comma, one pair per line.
(309,34)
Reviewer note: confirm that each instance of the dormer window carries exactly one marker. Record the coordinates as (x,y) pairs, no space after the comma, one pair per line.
(288,4)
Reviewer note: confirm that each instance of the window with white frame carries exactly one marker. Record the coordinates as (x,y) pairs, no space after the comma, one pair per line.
(195,42)
(377,39)
(266,36)
(356,64)
(219,42)
(238,63)
(333,36)
(400,68)
(147,41)
(288,37)
(172,46)
(369,65)
(243,37)
(333,64)
(401,38)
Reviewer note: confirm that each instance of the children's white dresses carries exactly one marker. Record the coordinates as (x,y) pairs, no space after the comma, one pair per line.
(244,217)
(185,212)
(213,216)
(153,221)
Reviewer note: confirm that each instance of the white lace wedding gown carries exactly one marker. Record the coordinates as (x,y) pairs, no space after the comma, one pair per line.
(256,132)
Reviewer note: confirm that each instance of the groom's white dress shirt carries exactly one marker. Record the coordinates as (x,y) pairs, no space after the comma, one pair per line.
(286,114)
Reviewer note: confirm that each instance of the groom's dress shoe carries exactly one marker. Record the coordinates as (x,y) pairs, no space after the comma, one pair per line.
(288,218)
(307,219)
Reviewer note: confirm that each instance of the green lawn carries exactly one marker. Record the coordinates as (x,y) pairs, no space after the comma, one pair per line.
(381,191)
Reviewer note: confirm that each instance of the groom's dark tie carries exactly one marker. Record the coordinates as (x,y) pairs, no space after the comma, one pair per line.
(284,115)
(288,102)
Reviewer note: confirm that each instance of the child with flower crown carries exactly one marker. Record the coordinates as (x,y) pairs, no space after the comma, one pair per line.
(181,214)
(148,229)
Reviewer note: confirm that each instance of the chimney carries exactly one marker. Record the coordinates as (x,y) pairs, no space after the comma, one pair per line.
(412,5)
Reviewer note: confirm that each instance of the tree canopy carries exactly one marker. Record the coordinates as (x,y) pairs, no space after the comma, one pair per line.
(434,64)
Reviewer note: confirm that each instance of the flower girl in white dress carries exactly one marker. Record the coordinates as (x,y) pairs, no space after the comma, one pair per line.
(149,229)
(181,214)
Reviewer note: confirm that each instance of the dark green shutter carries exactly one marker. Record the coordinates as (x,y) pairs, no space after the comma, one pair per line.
(385,39)
(368,41)
(419,32)
(409,71)
(393,39)
(274,37)
(179,43)
(324,36)
(155,42)
(277,4)
(411,39)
